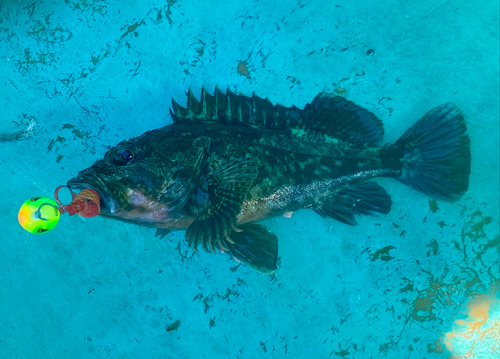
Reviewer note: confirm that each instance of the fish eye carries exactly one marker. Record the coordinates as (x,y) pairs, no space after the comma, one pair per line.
(125,154)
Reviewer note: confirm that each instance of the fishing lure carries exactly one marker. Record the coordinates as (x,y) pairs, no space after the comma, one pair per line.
(85,204)
(41,214)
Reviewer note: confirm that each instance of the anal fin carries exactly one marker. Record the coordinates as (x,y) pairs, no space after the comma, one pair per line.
(360,198)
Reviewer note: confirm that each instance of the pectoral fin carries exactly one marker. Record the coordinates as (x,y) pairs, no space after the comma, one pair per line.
(219,199)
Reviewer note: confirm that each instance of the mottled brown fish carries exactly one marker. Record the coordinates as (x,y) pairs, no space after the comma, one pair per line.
(230,160)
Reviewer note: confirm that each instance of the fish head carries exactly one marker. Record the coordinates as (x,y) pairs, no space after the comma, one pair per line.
(140,180)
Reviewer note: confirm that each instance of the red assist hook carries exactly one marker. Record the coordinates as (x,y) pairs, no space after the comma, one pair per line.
(85,204)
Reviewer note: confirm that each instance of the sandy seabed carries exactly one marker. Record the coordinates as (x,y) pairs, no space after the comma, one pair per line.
(422,282)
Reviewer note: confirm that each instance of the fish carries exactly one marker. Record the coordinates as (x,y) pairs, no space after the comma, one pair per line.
(228,161)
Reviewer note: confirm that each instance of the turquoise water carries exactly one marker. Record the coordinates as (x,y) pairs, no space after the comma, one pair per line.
(422,282)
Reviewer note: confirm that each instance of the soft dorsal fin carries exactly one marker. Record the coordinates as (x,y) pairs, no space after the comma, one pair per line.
(343,119)
(326,114)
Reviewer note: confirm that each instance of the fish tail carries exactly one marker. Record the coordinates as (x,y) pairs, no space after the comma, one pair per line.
(433,156)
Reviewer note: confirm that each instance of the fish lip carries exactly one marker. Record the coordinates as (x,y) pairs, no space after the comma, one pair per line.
(107,204)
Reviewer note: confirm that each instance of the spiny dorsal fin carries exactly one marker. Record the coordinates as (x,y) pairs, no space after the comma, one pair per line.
(232,109)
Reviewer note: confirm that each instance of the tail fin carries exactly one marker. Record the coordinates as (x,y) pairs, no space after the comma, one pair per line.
(433,156)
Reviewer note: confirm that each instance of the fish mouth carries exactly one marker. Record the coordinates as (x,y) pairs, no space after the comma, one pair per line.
(108,204)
